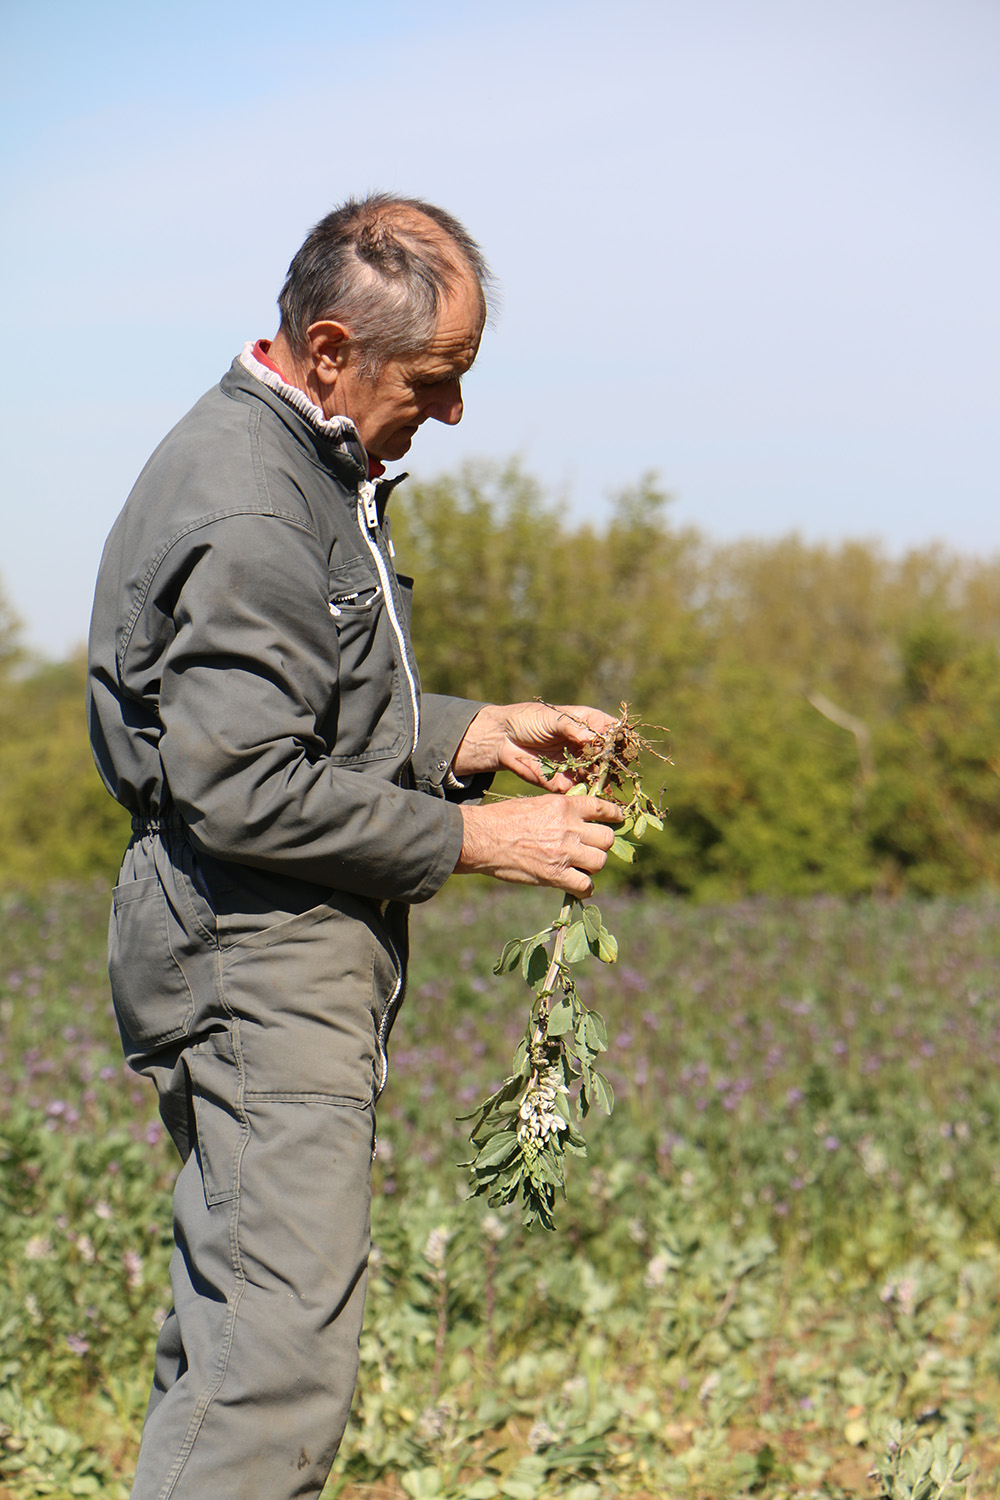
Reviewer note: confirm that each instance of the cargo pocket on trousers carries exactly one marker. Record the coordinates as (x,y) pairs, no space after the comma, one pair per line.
(152,998)
(220,1124)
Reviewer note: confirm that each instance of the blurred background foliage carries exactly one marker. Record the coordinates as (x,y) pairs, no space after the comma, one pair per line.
(833,712)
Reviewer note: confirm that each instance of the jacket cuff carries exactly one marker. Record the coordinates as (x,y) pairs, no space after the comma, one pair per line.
(443,722)
(446,859)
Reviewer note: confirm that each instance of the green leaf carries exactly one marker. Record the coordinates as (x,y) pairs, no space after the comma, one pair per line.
(604,1094)
(535,964)
(509,958)
(422,1484)
(600,1029)
(509,1089)
(654,822)
(576,946)
(592,922)
(640,825)
(607,947)
(497,1151)
(560,1019)
(622,849)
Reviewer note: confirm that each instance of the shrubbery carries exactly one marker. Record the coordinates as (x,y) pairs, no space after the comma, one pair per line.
(834,713)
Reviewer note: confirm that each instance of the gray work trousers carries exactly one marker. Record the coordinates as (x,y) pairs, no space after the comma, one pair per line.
(261,1013)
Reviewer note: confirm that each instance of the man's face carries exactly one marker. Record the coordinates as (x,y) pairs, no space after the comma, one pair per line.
(409,390)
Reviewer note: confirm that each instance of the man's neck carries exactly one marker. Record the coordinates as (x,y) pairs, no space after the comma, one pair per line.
(292,370)
(277,353)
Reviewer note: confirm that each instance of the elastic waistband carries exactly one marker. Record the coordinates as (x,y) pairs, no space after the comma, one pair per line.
(143,826)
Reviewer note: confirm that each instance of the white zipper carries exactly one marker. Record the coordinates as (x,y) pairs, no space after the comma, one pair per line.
(391,1007)
(368,521)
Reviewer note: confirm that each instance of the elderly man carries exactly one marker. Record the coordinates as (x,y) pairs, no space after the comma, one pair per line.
(255,704)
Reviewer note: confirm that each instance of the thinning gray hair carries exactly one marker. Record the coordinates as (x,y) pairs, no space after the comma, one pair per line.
(381,265)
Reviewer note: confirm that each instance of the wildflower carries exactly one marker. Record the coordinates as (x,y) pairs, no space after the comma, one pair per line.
(85,1248)
(494,1228)
(437,1244)
(386,1151)
(77,1343)
(541,1436)
(38,1248)
(656,1271)
(874,1160)
(903,1292)
(538,1116)
(132,1262)
(102,1209)
(433,1421)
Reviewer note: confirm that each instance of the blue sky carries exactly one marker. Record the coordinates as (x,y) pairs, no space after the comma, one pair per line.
(750,244)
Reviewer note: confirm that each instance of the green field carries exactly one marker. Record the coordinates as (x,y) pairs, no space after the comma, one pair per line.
(784,1237)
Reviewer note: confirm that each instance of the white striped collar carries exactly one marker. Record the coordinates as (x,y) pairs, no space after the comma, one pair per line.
(340,430)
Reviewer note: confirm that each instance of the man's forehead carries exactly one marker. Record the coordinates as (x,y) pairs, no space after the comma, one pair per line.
(459,329)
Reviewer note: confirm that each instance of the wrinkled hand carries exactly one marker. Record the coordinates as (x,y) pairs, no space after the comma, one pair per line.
(510,737)
(555,840)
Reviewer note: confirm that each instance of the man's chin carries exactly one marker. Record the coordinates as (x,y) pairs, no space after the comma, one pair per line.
(395,446)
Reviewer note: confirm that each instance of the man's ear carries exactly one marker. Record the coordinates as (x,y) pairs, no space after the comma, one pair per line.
(329,349)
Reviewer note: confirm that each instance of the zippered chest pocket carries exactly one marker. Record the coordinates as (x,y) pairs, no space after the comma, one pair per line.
(371,722)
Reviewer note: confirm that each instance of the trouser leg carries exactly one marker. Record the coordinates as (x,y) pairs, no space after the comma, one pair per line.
(268,1290)
(262,1040)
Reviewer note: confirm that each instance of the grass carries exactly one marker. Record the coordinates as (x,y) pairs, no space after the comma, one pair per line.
(783,1239)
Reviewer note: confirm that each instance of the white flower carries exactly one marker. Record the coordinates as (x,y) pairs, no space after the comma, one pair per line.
(538,1115)
(541,1436)
(494,1228)
(437,1244)
(656,1271)
(38,1248)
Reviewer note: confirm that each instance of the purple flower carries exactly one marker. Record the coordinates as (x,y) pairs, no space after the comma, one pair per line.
(132,1263)
(77,1343)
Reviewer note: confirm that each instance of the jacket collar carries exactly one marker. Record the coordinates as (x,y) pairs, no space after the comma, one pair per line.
(339,432)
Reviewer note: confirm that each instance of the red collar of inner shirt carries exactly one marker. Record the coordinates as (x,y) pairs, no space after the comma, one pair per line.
(260,351)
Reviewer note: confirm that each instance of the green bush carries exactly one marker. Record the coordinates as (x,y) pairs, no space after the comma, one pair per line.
(833,715)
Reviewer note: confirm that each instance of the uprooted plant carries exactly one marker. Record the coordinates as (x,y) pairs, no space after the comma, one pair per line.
(525,1130)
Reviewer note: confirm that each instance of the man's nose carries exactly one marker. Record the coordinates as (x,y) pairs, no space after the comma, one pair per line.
(447,406)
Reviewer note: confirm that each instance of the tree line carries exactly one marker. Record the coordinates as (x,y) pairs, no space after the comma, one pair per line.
(831,713)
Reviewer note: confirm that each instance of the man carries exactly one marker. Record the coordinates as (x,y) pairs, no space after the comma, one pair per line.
(255,704)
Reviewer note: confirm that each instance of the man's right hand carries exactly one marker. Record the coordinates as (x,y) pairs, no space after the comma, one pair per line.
(551,840)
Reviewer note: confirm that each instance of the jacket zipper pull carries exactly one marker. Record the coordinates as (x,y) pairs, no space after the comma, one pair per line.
(370,508)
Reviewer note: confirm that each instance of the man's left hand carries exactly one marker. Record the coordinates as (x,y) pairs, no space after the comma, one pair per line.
(512,736)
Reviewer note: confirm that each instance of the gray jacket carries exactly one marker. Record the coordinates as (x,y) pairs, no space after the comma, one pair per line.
(251,674)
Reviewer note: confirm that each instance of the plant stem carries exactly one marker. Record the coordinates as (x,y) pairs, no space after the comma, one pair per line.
(551,976)
(548,988)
